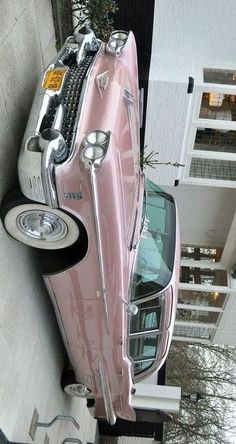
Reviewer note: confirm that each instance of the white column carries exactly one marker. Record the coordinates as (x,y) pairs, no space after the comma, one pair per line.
(157,397)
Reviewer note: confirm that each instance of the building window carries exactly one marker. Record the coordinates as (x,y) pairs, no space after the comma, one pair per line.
(203,276)
(199,253)
(221,76)
(197,316)
(213,169)
(221,141)
(202,298)
(218,106)
(213,131)
(193,332)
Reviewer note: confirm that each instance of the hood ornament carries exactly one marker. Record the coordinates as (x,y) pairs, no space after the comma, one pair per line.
(102,81)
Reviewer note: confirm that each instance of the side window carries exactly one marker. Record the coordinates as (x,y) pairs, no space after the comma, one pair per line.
(143,351)
(148,316)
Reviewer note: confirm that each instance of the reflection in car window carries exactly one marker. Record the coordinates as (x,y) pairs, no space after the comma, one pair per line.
(155,255)
(142,349)
(148,316)
(141,366)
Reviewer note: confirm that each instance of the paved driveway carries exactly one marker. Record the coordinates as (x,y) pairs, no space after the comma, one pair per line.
(31,352)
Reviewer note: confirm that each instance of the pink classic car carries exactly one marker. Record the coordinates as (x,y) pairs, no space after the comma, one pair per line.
(110,238)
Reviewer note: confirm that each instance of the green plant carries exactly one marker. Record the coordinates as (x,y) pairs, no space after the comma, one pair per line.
(151,161)
(95,13)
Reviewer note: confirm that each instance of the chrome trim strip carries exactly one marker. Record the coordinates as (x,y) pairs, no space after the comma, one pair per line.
(93,173)
(58,119)
(144,360)
(58,317)
(145,333)
(110,414)
(136,200)
(150,297)
(141,107)
(56,308)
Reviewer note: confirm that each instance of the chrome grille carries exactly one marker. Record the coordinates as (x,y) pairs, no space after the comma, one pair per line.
(69,97)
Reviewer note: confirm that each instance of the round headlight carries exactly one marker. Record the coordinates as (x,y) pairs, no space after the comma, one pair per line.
(115,43)
(93,152)
(99,138)
(119,35)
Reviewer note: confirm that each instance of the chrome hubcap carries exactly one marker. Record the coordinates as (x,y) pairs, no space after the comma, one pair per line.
(77,390)
(42,225)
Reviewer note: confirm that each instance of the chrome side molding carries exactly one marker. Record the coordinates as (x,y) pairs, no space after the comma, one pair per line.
(110,414)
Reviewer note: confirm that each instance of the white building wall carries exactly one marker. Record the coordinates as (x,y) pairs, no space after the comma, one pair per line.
(190,29)
(165,126)
(135,440)
(127,440)
(156,397)
(190,35)
(187,36)
(205,213)
(225,334)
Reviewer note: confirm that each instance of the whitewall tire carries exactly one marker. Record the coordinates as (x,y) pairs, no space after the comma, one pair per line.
(40,226)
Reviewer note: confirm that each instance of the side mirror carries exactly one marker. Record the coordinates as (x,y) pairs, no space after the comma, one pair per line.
(131,309)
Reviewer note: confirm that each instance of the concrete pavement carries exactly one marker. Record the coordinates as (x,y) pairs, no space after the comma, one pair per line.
(32,355)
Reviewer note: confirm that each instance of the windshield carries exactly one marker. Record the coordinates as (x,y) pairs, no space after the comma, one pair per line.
(155,255)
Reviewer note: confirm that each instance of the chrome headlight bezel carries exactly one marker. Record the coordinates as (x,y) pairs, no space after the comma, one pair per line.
(116,42)
(95,145)
(93,153)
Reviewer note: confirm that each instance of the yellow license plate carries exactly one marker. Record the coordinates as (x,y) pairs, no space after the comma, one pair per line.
(53,79)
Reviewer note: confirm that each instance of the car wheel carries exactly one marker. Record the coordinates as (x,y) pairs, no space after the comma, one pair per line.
(37,225)
(72,387)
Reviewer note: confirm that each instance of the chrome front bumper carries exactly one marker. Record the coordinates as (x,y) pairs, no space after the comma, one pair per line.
(55,110)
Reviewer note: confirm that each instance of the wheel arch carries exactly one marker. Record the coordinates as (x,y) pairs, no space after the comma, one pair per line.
(64,257)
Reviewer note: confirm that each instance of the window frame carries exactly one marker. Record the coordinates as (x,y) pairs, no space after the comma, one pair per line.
(193,123)
(153,360)
(157,332)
